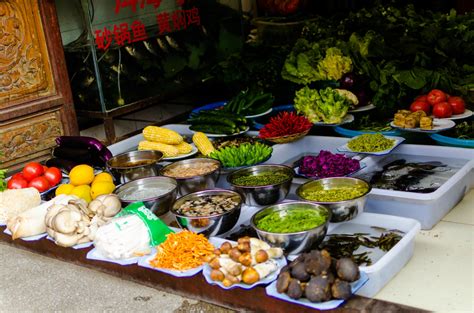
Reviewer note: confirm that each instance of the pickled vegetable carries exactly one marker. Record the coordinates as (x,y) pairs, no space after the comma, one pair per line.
(370,143)
(262,179)
(335,194)
(294,220)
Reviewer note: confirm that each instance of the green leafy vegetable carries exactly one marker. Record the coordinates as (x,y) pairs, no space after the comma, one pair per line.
(3,183)
(310,62)
(325,105)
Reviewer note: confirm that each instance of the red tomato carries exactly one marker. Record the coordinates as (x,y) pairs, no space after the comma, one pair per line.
(18,175)
(442,110)
(17,183)
(457,104)
(423,98)
(420,105)
(32,170)
(40,183)
(436,96)
(45,168)
(53,175)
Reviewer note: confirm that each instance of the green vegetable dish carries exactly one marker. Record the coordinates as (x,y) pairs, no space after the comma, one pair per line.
(243,155)
(319,194)
(291,221)
(262,179)
(370,143)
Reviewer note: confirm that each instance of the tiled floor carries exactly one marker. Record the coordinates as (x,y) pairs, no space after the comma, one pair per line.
(440,276)
(138,120)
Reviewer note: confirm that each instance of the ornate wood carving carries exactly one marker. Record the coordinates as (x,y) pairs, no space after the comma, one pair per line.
(25,71)
(29,136)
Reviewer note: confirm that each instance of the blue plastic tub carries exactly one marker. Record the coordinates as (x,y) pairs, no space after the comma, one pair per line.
(453,142)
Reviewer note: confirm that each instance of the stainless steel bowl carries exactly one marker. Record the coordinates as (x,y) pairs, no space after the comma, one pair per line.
(212,225)
(341,210)
(297,242)
(194,183)
(132,165)
(158,205)
(262,195)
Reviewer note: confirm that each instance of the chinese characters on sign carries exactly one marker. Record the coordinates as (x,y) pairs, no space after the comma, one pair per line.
(124,33)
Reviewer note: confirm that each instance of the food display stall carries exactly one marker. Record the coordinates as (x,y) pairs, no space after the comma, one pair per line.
(325,188)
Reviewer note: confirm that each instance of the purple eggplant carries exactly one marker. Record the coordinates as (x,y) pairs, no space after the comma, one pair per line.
(82,142)
(347,81)
(64,165)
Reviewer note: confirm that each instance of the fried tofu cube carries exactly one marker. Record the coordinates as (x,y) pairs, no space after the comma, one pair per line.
(399,120)
(426,123)
(411,122)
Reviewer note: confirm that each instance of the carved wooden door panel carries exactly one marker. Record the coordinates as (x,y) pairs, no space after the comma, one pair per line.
(35,96)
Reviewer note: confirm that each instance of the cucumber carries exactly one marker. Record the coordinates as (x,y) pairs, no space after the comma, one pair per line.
(213,129)
(212,120)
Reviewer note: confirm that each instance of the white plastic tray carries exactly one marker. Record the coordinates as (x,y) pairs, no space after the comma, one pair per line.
(427,208)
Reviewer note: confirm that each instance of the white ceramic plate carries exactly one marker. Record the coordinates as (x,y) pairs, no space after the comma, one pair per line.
(260,114)
(182,156)
(363,108)
(347,119)
(224,135)
(207,270)
(328,305)
(397,141)
(439,124)
(467,113)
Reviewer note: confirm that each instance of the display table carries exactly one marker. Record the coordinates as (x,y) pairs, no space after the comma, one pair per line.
(438,277)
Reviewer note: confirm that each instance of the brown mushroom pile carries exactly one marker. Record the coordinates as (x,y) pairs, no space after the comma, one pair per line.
(248,262)
(318,277)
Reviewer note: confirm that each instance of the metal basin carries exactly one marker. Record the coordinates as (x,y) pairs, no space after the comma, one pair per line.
(159,204)
(212,225)
(133,165)
(194,183)
(297,242)
(262,195)
(341,210)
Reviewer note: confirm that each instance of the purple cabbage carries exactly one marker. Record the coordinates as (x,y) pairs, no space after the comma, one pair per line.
(327,164)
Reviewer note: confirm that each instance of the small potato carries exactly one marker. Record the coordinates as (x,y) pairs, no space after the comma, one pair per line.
(250,276)
(245,259)
(227,283)
(244,247)
(244,239)
(234,254)
(217,252)
(215,264)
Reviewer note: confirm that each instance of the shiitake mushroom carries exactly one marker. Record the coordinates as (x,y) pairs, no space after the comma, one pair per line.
(341,289)
(318,289)
(283,282)
(299,272)
(347,270)
(294,289)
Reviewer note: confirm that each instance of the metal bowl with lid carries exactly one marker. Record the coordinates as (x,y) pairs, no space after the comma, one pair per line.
(132,165)
(188,182)
(293,242)
(208,224)
(343,210)
(157,193)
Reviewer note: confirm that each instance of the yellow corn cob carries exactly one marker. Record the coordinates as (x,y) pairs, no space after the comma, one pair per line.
(184,147)
(162,135)
(167,150)
(203,143)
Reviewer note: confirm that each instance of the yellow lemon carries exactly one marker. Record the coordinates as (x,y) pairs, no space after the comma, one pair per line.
(64,189)
(83,192)
(101,188)
(81,175)
(104,176)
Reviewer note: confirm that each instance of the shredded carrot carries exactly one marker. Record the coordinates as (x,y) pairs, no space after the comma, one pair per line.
(182,251)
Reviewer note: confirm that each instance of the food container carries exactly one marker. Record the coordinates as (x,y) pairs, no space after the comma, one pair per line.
(157,204)
(341,210)
(296,242)
(266,194)
(194,183)
(211,225)
(385,265)
(132,165)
